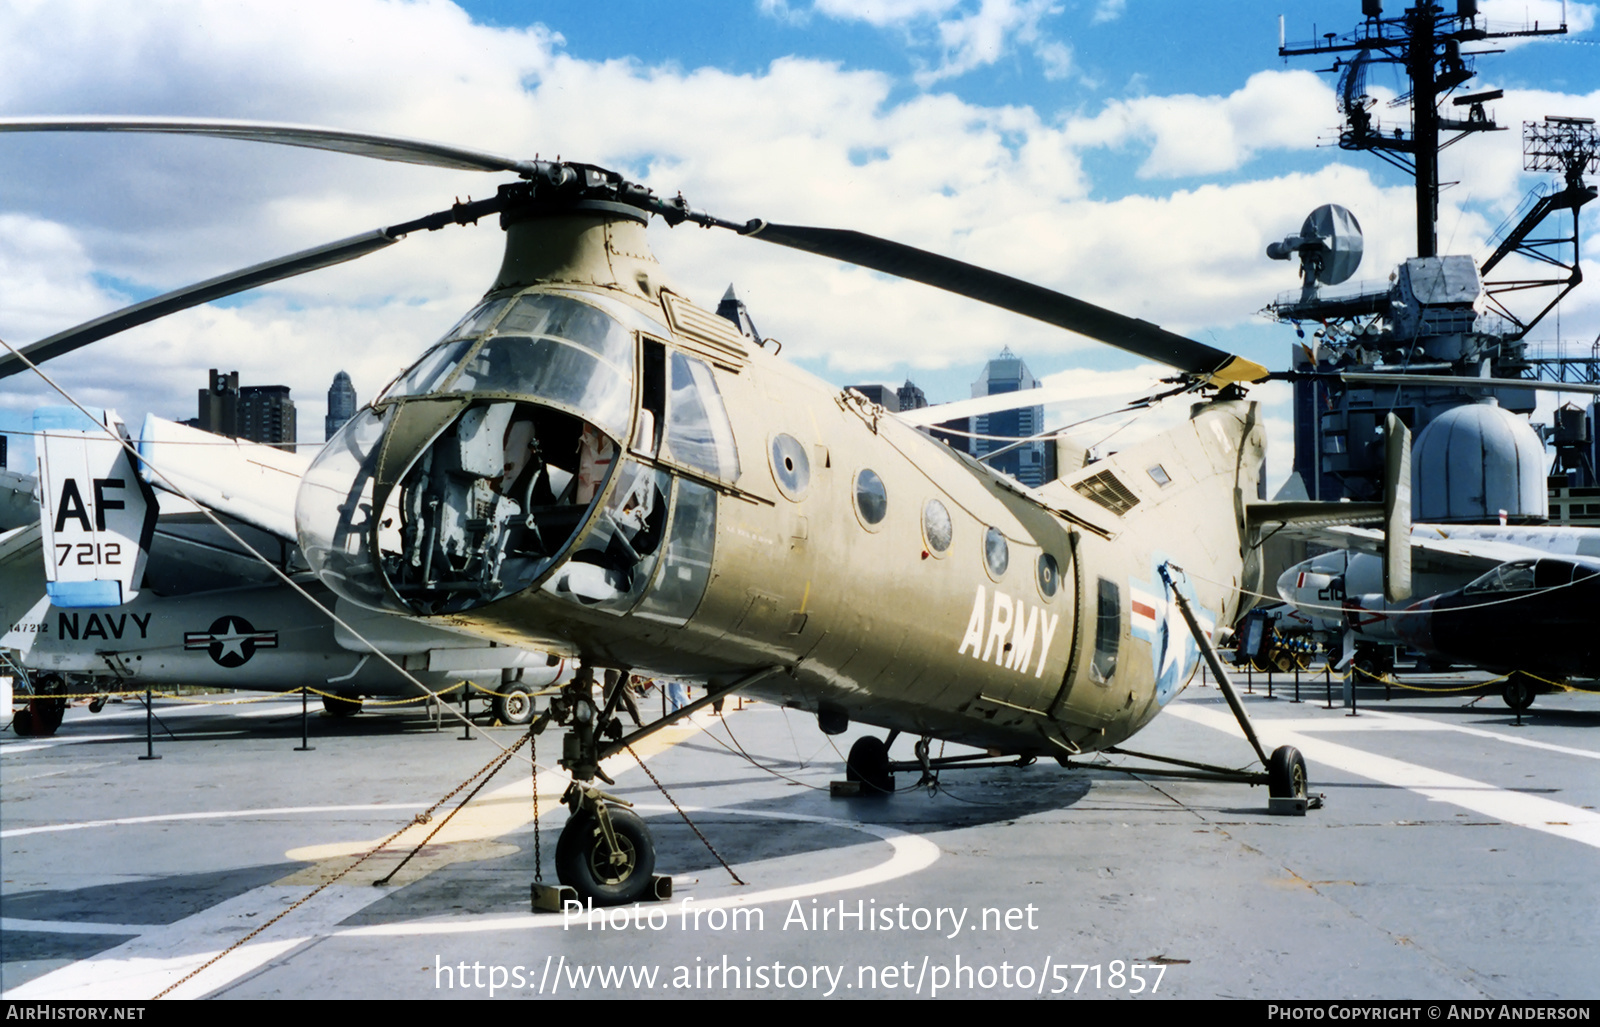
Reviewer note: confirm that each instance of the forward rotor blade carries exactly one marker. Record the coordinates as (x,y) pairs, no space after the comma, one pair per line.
(360,144)
(1127,333)
(238,281)
(194,295)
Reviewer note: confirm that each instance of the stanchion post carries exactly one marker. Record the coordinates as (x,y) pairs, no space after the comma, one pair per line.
(149,728)
(305,721)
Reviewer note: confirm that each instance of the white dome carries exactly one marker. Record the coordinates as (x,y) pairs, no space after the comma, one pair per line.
(1476,460)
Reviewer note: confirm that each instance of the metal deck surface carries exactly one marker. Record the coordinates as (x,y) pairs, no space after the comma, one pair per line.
(1457,856)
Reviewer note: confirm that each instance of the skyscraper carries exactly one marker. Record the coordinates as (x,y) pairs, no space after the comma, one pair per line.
(1030,464)
(260,413)
(341,404)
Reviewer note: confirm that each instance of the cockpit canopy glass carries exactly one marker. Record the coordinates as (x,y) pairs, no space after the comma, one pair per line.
(551,349)
(1526,575)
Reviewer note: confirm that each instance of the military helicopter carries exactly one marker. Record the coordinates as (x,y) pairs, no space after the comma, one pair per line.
(590,464)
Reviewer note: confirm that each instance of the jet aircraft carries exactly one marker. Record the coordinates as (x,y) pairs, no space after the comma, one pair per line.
(1338,594)
(210,610)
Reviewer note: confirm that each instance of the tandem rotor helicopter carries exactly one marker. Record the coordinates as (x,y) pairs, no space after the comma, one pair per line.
(590,464)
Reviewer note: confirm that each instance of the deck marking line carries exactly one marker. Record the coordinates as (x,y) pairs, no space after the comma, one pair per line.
(910,853)
(141,967)
(1515,808)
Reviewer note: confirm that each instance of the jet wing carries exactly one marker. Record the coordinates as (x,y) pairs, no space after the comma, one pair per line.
(248,481)
(1431,551)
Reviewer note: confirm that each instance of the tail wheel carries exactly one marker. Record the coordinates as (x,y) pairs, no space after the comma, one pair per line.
(868,763)
(1286,774)
(514,706)
(339,706)
(585,862)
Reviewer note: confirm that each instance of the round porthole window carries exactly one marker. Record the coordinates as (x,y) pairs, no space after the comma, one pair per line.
(791,468)
(996,554)
(936,527)
(872,499)
(1049,575)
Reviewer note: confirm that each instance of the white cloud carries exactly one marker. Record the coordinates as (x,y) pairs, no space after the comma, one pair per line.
(46,271)
(883,13)
(1108,10)
(1516,15)
(800,141)
(964,37)
(1200,135)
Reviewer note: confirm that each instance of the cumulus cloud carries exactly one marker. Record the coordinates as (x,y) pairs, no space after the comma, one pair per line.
(964,36)
(1515,15)
(1108,10)
(1198,135)
(800,141)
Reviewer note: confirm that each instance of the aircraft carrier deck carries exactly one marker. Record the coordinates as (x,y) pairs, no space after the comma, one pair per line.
(1457,856)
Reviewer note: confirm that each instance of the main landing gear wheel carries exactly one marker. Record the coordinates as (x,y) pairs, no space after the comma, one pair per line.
(47,707)
(585,862)
(1518,692)
(868,763)
(1286,773)
(339,706)
(514,706)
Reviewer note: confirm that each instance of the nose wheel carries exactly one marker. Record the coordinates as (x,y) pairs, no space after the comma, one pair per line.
(606,854)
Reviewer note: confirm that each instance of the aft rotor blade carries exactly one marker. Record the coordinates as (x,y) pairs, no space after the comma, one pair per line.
(361,144)
(194,295)
(1462,381)
(1127,333)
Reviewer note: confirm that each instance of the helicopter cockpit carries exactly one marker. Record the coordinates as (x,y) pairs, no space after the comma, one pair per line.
(502,457)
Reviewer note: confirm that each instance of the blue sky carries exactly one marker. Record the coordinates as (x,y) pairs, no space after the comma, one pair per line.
(1138,154)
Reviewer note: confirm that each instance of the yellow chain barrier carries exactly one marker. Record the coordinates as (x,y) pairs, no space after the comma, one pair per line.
(1475,686)
(267,696)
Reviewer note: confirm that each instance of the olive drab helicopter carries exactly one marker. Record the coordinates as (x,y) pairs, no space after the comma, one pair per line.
(589,463)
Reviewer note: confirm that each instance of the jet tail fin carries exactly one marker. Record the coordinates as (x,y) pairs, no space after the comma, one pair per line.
(1396,509)
(96,513)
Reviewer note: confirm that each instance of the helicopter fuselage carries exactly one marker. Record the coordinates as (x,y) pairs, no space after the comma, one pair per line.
(593,465)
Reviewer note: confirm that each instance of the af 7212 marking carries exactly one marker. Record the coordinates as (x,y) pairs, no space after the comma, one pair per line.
(71,503)
(90,554)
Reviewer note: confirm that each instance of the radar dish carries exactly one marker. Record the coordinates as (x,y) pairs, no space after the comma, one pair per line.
(1329,245)
(1340,234)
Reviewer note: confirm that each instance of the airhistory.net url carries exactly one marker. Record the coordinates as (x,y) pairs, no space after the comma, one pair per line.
(928,977)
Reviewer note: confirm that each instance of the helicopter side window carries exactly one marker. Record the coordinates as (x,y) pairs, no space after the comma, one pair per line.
(1107,632)
(652,399)
(686,566)
(698,432)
